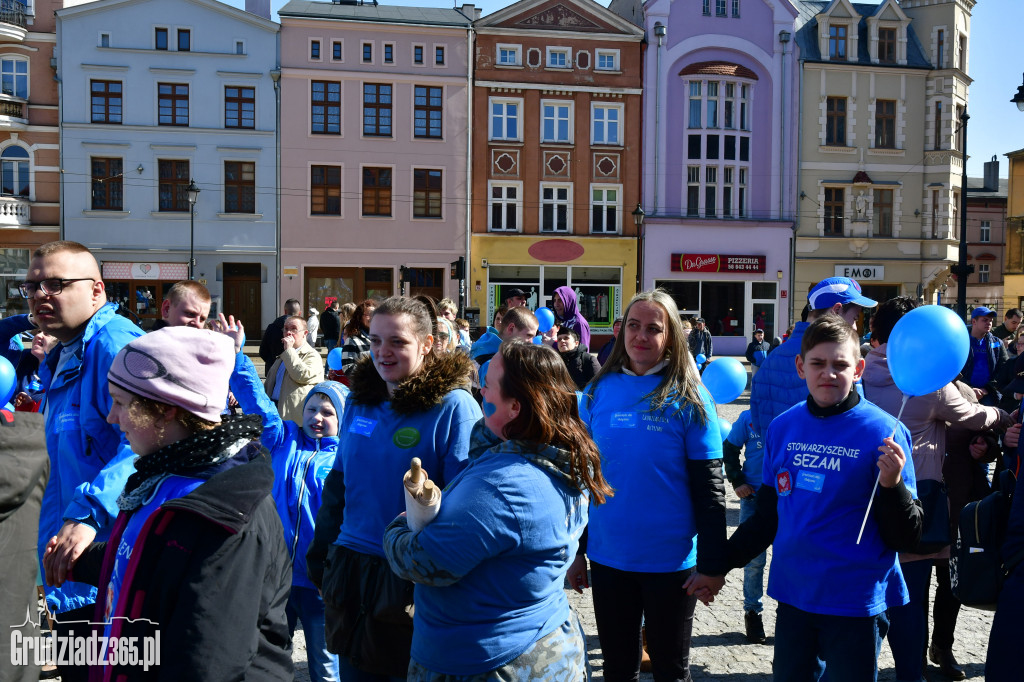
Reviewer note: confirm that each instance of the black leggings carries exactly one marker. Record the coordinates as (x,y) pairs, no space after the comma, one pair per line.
(625,600)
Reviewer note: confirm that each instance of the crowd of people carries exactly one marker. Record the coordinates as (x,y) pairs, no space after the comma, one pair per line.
(159,486)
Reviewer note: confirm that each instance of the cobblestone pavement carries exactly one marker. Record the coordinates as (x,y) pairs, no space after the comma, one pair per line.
(720,650)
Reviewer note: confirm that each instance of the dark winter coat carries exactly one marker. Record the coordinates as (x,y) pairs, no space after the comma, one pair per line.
(997,356)
(582,365)
(270,344)
(330,325)
(212,571)
(753,347)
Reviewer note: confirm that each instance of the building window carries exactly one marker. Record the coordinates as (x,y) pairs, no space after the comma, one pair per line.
(503,205)
(160,39)
(729,110)
(741,205)
(558,58)
(986,231)
(376,191)
(377,109)
(692,191)
(736,9)
(712,104)
(554,208)
(604,209)
(325,105)
(834,207)
(107,184)
(509,55)
(426,193)
(239,107)
(706,9)
(556,119)
(184,40)
(314,50)
(428,111)
(983,273)
(835,121)
(389,53)
(239,187)
(173,104)
(887,45)
(239,47)
(882,209)
(963,53)
(837,42)
(14,166)
(104,40)
(105,101)
(367,53)
(325,190)
(744,107)
(14,77)
(439,55)
(336,54)
(940,49)
(417,54)
(720,8)
(607,60)
(958,137)
(696,104)
(174,180)
(710,191)
(505,119)
(728,182)
(606,123)
(938,125)
(885,124)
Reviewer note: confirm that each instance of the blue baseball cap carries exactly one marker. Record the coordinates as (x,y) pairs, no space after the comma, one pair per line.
(828,292)
(982,311)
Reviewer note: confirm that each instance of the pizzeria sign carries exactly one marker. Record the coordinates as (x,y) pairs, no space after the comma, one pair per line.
(708,262)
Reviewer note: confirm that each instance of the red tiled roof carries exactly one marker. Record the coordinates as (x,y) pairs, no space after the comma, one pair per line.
(718,69)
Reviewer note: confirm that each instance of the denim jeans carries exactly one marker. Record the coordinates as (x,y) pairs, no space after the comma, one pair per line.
(848,645)
(350,673)
(753,573)
(330,344)
(305,604)
(908,624)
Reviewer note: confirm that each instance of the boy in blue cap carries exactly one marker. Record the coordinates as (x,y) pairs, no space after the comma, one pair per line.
(988,355)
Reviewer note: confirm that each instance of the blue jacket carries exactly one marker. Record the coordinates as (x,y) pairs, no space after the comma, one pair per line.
(90,460)
(776,386)
(300,463)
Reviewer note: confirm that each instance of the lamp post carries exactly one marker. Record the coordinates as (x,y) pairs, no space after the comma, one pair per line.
(1018,99)
(193,196)
(638,219)
(962,270)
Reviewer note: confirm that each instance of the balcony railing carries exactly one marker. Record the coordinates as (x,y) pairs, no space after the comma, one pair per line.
(14,211)
(13,12)
(13,109)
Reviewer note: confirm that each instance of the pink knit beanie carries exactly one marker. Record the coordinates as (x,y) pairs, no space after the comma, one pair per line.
(180,366)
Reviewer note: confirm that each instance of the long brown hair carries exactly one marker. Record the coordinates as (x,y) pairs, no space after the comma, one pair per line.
(355,323)
(549,413)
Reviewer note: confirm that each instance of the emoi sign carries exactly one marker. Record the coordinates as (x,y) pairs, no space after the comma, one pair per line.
(704,262)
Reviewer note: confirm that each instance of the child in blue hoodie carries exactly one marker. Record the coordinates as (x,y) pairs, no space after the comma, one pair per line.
(301,457)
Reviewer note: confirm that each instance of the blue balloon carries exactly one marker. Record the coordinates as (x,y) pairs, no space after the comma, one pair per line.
(701,359)
(725,379)
(334,359)
(927,348)
(725,426)
(545,319)
(537,340)
(8,381)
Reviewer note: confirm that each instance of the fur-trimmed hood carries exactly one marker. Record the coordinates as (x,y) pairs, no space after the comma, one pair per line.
(418,393)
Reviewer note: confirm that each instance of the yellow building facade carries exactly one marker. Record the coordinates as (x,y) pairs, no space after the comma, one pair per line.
(1013,280)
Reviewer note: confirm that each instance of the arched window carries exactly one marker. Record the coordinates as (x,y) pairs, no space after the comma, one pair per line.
(14,172)
(14,76)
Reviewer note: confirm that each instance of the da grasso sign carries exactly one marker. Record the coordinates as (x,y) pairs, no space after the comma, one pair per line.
(861,272)
(709,262)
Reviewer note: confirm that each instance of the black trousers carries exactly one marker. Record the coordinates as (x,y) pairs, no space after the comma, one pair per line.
(63,625)
(947,607)
(623,602)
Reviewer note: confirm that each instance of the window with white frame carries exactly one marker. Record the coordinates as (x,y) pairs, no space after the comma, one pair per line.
(14,76)
(606,123)
(558,58)
(607,60)
(14,164)
(718,147)
(555,207)
(983,273)
(986,231)
(504,206)
(605,208)
(720,8)
(736,8)
(506,119)
(510,55)
(556,121)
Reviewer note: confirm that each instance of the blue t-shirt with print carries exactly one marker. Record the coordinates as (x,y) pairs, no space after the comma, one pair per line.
(744,437)
(823,470)
(981,373)
(648,526)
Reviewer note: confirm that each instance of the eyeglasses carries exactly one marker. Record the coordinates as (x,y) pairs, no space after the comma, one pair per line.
(142,365)
(50,287)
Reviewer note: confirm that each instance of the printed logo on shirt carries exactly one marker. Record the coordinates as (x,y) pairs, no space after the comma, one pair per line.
(362,426)
(68,421)
(783,483)
(808,480)
(406,438)
(623,420)
(322,471)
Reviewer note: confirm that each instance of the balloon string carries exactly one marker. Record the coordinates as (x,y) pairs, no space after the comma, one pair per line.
(871,499)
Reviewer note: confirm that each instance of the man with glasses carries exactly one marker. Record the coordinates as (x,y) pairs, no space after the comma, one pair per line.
(89,459)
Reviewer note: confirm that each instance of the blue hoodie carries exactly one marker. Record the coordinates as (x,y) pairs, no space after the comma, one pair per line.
(572,318)
(300,463)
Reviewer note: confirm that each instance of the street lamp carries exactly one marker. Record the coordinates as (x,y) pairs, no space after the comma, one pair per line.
(1018,99)
(962,270)
(193,195)
(638,216)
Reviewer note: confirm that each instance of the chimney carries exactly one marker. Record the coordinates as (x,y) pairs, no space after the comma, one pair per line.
(992,174)
(258,7)
(471,11)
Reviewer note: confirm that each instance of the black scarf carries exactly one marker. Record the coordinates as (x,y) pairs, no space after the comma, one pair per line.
(187,456)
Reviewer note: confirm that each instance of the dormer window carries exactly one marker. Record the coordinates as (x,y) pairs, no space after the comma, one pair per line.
(887,45)
(837,41)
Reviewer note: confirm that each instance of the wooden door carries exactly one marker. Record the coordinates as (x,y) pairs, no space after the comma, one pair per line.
(243,300)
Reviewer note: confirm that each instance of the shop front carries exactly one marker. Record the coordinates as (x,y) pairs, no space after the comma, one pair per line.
(141,288)
(323,284)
